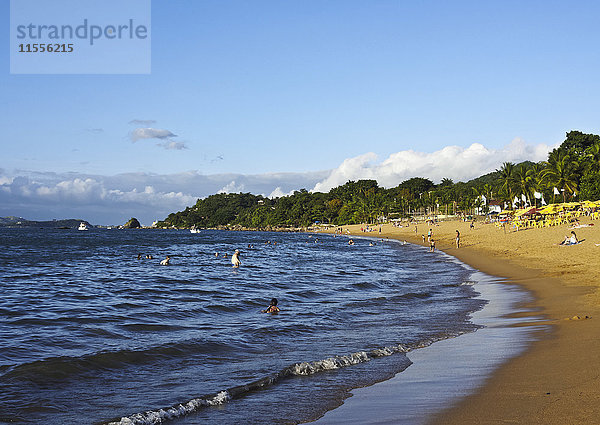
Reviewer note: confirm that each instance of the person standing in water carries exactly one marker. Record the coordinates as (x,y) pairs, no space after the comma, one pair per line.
(457,239)
(166,261)
(235,259)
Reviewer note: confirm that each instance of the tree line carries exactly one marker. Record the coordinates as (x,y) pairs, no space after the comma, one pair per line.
(572,170)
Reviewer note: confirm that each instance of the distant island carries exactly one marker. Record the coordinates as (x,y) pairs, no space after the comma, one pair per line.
(70,223)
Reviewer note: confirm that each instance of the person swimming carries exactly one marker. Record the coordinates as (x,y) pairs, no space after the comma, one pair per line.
(350,242)
(166,261)
(272,307)
(235,259)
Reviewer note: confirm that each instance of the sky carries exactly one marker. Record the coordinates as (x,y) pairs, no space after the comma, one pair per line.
(269,97)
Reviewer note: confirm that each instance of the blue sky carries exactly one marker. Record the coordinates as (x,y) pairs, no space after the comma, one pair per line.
(256,88)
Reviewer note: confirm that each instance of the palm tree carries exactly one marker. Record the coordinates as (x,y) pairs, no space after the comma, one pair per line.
(522,181)
(593,155)
(535,175)
(507,178)
(561,172)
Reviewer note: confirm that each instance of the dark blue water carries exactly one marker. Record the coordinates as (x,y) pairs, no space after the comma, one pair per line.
(90,334)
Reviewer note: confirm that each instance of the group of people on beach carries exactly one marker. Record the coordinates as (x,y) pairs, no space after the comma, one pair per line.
(431,241)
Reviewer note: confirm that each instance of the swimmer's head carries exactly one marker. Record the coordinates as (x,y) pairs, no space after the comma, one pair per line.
(274,301)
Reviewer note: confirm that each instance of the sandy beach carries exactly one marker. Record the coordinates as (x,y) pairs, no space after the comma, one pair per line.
(557,379)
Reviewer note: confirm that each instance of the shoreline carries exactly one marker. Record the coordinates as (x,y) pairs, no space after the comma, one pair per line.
(555,380)
(448,370)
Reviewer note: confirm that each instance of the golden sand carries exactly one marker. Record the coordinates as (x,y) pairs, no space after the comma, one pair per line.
(557,380)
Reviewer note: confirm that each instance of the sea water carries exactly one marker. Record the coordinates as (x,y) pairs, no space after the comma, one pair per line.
(91,334)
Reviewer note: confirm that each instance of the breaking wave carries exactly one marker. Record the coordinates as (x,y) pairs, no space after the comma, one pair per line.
(159,416)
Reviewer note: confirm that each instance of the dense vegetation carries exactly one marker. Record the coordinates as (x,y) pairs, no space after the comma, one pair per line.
(573,169)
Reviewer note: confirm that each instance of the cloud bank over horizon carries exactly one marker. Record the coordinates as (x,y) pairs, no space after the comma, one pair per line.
(454,162)
(114,199)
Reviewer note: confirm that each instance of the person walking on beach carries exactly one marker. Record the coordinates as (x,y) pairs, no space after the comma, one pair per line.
(457,239)
(429,235)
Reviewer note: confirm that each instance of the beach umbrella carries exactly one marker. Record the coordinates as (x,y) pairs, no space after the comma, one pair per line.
(571,205)
(525,211)
(506,212)
(552,209)
(520,212)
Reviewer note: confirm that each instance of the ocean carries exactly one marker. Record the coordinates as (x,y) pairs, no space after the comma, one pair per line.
(93,335)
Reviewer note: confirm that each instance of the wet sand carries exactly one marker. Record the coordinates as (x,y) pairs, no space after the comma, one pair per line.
(556,380)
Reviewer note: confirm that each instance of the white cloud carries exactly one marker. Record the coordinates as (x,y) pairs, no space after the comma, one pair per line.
(142,122)
(278,193)
(114,199)
(4,180)
(150,133)
(172,145)
(232,187)
(454,162)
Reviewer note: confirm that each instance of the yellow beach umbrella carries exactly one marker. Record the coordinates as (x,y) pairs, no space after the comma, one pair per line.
(506,212)
(523,211)
(552,209)
(590,204)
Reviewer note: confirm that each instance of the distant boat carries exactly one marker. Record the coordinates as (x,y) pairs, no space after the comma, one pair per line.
(82,226)
(194,230)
